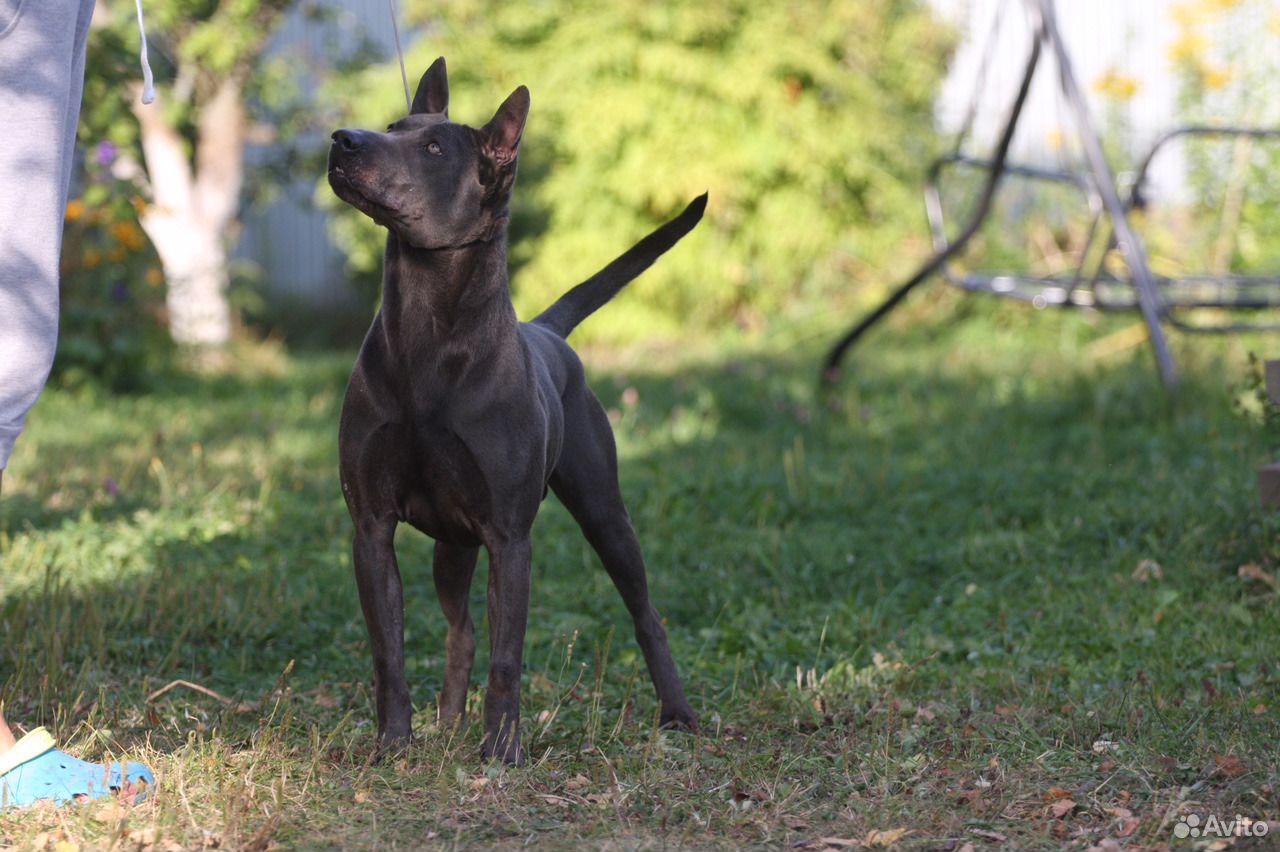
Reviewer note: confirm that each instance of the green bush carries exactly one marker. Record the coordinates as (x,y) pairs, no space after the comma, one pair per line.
(808,122)
(111,327)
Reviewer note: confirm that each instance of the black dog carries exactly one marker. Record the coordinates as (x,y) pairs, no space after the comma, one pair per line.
(458,417)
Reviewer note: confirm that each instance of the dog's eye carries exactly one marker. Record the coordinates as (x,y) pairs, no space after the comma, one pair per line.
(434,148)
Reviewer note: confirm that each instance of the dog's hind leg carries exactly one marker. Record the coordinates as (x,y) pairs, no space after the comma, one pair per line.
(453,567)
(586,481)
(382,599)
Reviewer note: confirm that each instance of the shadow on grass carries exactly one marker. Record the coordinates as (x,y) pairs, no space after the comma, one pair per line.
(973,515)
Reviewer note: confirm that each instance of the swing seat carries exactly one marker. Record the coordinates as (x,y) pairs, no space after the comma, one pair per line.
(1181,294)
(1087,275)
(1099,289)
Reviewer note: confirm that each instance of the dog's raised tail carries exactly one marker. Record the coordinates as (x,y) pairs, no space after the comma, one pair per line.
(585,299)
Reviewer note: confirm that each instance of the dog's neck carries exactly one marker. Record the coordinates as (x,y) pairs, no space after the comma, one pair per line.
(434,296)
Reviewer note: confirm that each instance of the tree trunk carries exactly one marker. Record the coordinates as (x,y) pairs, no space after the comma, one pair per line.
(195,270)
(192,211)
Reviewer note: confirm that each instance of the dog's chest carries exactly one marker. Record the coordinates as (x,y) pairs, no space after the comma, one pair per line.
(447,495)
(488,475)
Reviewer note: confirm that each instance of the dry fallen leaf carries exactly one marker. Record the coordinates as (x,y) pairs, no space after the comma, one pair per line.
(1128,826)
(1106,844)
(109,809)
(885,838)
(839,842)
(1061,808)
(989,835)
(142,837)
(1148,569)
(1251,571)
(45,839)
(1229,765)
(1053,794)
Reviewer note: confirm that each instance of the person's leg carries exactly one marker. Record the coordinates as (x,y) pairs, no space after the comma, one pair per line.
(42,55)
(6,736)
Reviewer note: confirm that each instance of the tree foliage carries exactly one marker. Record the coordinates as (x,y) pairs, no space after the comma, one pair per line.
(181,161)
(196,46)
(808,122)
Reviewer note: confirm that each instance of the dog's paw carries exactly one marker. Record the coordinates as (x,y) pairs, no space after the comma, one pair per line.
(511,754)
(391,747)
(679,719)
(503,744)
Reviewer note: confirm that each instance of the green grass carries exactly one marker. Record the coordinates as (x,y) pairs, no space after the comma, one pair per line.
(911,605)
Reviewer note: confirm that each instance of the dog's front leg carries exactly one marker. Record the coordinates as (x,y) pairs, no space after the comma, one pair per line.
(382,599)
(453,569)
(510,566)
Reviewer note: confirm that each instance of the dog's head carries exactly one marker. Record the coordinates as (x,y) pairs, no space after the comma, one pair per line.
(433,183)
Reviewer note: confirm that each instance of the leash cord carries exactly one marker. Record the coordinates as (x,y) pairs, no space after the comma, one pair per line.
(148,81)
(404,75)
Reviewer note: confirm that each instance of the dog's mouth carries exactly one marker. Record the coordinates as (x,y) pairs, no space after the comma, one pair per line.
(351,192)
(337,174)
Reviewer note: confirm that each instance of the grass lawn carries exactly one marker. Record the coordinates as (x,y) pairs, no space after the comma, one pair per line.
(987,596)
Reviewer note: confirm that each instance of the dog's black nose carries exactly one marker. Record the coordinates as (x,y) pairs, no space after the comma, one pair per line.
(347,140)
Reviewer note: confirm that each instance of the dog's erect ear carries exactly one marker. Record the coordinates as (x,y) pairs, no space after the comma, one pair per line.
(433,91)
(503,130)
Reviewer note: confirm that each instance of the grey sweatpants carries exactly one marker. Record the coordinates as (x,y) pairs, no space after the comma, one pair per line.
(42,50)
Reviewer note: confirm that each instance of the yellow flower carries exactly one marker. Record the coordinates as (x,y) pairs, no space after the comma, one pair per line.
(1219,5)
(1216,78)
(75,210)
(92,257)
(154,276)
(116,255)
(1188,47)
(139,204)
(1117,86)
(1187,15)
(128,234)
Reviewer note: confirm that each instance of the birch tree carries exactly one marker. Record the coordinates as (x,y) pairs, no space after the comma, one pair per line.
(189,145)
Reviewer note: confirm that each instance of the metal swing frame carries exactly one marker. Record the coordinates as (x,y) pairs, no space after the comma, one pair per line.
(1159,300)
